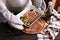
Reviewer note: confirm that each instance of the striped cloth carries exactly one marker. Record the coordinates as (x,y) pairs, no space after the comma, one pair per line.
(48,35)
(52,29)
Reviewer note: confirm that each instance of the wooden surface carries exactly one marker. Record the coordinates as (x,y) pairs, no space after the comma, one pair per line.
(57,4)
(36,28)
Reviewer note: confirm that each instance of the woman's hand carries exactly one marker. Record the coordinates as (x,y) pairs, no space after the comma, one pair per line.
(11,18)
